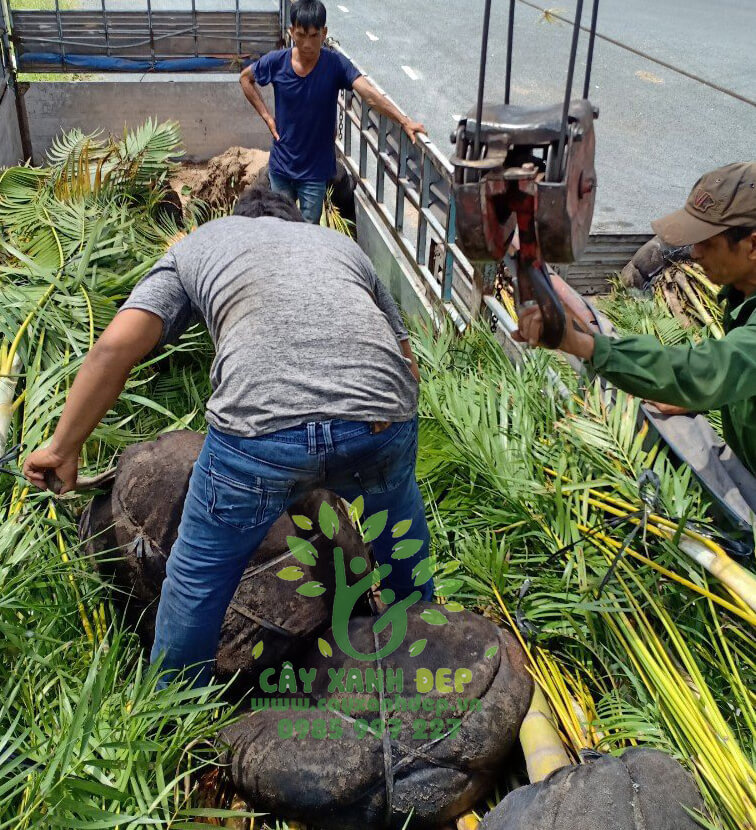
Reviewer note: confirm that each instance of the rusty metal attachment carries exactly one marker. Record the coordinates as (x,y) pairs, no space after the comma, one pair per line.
(518,180)
(518,150)
(530,170)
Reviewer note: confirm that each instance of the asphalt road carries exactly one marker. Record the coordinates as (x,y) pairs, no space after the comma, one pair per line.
(658,130)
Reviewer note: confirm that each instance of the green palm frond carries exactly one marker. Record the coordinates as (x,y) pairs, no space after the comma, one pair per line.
(150,153)
(513,471)
(332,218)
(67,148)
(84,725)
(517,475)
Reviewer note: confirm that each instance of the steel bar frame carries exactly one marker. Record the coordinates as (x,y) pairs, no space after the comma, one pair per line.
(510,47)
(195,28)
(285,6)
(237,12)
(62,37)
(482,78)
(105,27)
(152,32)
(591,45)
(568,89)
(60,30)
(422,180)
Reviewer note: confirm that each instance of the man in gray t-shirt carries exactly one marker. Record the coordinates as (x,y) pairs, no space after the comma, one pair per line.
(303,328)
(314,385)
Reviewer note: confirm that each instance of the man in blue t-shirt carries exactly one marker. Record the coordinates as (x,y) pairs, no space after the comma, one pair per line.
(307,80)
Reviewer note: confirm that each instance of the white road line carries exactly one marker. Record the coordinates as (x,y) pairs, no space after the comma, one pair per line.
(413,76)
(343,9)
(372,37)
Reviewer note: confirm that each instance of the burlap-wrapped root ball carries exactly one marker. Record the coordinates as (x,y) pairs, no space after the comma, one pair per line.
(131,531)
(644,789)
(439,756)
(648,261)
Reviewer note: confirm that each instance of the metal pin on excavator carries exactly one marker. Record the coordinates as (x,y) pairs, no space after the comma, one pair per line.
(529,170)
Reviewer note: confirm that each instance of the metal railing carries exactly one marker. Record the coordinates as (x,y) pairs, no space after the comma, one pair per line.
(410,186)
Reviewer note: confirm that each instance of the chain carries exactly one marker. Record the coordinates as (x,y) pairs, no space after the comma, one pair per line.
(341,120)
(499,288)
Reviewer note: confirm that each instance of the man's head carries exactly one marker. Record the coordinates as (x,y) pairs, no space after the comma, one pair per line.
(259,201)
(719,222)
(308,27)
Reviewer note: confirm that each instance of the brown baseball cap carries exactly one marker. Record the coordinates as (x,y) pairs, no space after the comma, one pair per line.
(722,199)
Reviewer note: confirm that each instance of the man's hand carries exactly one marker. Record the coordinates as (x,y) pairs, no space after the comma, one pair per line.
(380,102)
(131,335)
(530,326)
(271,122)
(412,128)
(577,339)
(409,357)
(65,467)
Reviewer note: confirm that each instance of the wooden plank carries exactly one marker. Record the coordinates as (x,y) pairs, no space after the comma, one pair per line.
(35,21)
(137,33)
(26,18)
(129,33)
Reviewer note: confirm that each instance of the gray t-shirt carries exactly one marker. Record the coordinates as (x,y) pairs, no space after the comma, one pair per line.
(303,328)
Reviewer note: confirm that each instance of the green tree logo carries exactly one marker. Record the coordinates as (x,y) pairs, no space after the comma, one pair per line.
(346,596)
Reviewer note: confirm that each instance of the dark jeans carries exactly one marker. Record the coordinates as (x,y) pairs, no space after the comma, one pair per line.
(240,486)
(310,195)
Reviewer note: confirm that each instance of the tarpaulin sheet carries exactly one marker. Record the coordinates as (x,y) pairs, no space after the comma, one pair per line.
(100,63)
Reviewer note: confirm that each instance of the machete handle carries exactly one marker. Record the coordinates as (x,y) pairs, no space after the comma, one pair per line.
(53,482)
(534,285)
(103,480)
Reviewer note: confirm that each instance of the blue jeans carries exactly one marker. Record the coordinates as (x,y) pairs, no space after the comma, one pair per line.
(240,486)
(310,195)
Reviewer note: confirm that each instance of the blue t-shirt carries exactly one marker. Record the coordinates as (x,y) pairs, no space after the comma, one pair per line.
(305,112)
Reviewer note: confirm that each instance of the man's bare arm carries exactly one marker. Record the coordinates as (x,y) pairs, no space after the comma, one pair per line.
(410,356)
(132,335)
(381,103)
(252,94)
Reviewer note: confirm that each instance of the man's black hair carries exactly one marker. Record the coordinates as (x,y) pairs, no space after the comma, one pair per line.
(309,14)
(259,201)
(735,235)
